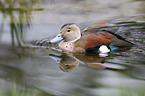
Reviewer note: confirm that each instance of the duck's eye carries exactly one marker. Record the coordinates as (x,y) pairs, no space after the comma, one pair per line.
(68,30)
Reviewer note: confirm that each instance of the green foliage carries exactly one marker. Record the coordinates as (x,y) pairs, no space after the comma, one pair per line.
(18,13)
(17,90)
(139,91)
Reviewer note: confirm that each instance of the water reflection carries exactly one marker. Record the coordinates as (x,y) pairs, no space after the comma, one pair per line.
(17,13)
(66,62)
(31,73)
(69,62)
(14,83)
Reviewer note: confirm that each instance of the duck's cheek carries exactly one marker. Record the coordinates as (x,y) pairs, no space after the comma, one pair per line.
(56,39)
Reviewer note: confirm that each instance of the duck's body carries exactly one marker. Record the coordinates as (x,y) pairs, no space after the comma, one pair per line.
(87,41)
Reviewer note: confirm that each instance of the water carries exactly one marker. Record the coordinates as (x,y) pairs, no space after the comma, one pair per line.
(30,71)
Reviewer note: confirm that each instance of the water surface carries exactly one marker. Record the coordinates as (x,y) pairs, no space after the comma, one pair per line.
(31,70)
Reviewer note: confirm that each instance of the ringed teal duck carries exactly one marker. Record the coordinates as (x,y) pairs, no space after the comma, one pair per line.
(89,41)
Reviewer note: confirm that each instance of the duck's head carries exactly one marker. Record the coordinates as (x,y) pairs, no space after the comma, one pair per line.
(68,32)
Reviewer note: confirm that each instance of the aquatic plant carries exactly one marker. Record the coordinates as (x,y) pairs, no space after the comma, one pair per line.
(17,13)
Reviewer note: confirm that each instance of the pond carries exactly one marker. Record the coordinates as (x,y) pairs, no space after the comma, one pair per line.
(29,67)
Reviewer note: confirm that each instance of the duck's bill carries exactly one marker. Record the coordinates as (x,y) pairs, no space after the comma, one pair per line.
(56,39)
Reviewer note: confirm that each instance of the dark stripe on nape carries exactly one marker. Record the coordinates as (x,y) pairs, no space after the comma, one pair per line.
(66,25)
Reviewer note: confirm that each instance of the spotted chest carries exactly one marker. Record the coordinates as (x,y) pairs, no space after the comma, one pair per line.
(66,46)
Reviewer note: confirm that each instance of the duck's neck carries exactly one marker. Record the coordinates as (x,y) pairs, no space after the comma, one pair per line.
(75,39)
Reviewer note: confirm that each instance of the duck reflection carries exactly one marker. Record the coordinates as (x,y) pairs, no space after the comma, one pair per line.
(69,62)
(92,60)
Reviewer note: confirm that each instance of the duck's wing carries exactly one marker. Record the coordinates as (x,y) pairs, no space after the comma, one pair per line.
(119,40)
(105,36)
(97,40)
